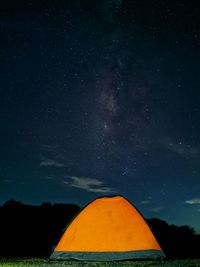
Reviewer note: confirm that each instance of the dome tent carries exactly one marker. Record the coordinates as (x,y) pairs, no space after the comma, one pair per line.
(108,228)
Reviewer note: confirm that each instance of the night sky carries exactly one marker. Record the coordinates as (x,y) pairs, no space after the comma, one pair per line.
(102,97)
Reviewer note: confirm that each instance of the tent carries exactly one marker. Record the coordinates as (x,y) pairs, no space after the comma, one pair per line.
(109,228)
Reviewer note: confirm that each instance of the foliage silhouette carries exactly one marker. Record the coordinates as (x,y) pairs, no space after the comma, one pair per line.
(176,241)
(27,230)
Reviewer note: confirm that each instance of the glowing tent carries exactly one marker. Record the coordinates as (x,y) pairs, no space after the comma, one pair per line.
(109,228)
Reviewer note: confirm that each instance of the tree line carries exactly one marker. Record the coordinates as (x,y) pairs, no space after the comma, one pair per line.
(28,231)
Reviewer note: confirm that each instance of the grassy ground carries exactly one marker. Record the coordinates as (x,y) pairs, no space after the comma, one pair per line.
(47,263)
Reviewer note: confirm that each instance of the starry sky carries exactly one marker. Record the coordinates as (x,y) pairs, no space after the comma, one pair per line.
(102,98)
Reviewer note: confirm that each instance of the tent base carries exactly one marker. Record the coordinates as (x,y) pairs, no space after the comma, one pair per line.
(109,256)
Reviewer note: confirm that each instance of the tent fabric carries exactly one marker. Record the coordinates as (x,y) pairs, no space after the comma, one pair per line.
(109,228)
(108,256)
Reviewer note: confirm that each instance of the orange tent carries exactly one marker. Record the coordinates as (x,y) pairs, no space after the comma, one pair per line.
(109,228)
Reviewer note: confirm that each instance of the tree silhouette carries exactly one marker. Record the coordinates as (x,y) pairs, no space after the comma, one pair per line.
(27,230)
(176,241)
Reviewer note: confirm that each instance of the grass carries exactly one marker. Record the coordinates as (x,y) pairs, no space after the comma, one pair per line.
(33,262)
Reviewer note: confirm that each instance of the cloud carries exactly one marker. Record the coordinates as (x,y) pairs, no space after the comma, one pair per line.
(46,162)
(180,148)
(8,181)
(145,202)
(156,209)
(88,184)
(48,178)
(149,203)
(193,201)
